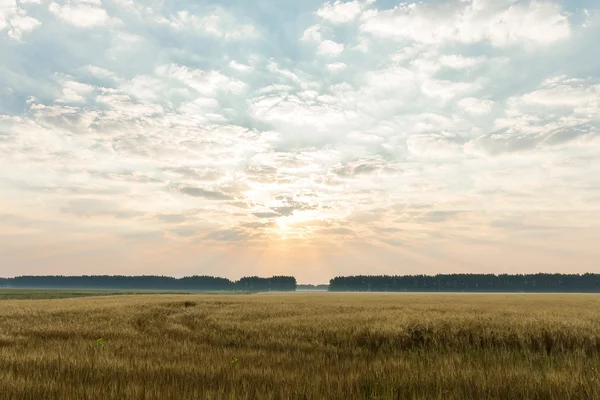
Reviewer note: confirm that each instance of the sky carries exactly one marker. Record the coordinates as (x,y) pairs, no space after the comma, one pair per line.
(305,138)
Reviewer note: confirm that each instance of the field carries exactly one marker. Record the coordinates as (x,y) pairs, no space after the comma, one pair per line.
(302,346)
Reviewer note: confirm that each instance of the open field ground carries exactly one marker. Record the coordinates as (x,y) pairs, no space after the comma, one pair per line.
(302,346)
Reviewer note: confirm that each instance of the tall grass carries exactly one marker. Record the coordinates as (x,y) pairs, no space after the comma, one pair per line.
(302,346)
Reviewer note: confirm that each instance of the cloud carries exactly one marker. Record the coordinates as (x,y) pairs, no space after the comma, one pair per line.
(330,48)
(337,232)
(228,235)
(266,214)
(218,23)
(537,22)
(312,33)
(476,106)
(560,110)
(20,25)
(195,174)
(15,20)
(459,62)
(239,66)
(438,215)
(184,231)
(75,92)
(340,12)
(434,145)
(81,15)
(204,193)
(563,92)
(502,142)
(336,67)
(362,167)
(95,208)
(204,82)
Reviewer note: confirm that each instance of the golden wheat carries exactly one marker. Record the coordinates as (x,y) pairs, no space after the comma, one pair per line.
(302,346)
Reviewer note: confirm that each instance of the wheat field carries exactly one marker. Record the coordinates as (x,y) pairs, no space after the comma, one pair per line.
(302,346)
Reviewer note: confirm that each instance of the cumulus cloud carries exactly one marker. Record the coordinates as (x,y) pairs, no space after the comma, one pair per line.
(20,25)
(501,23)
(459,62)
(340,12)
(312,33)
(228,235)
(15,20)
(337,66)
(475,106)
(98,208)
(218,23)
(239,66)
(204,193)
(204,82)
(330,48)
(81,15)
(75,92)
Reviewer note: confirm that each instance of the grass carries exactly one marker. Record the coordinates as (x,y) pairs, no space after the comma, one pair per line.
(302,346)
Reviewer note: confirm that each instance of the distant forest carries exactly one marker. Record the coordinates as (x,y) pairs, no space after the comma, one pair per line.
(566,283)
(589,283)
(306,287)
(252,283)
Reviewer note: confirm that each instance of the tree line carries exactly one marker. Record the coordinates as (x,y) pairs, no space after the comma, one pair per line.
(468,283)
(152,282)
(361,283)
(314,288)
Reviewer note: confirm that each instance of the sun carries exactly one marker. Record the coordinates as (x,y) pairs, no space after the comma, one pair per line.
(282,226)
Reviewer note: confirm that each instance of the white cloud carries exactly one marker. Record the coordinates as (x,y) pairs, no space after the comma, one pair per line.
(274,68)
(7,8)
(21,24)
(80,15)
(239,66)
(588,18)
(459,62)
(564,94)
(75,92)
(336,67)
(312,33)
(205,82)
(199,106)
(340,12)
(394,78)
(145,88)
(15,20)
(122,106)
(363,45)
(436,146)
(101,73)
(330,48)
(533,21)
(541,23)
(562,113)
(219,23)
(447,89)
(475,106)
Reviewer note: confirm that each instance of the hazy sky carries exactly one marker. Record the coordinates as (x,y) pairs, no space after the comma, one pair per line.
(264,137)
